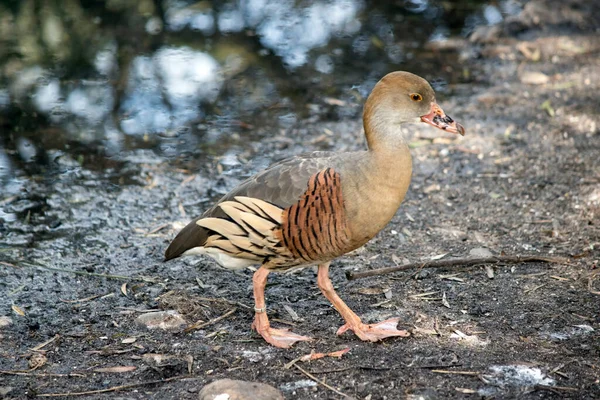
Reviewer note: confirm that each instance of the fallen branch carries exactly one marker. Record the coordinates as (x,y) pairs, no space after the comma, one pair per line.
(200,325)
(457,262)
(84,273)
(320,382)
(83,300)
(452,372)
(25,373)
(47,342)
(112,389)
(556,389)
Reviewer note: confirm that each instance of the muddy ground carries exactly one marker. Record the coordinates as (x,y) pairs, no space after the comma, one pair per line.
(524,180)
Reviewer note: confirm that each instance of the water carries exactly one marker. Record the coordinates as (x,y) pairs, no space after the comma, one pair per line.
(110,84)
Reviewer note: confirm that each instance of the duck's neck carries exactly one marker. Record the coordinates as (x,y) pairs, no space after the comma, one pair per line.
(378,178)
(388,145)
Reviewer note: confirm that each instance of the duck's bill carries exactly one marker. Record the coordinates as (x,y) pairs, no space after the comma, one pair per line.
(440,120)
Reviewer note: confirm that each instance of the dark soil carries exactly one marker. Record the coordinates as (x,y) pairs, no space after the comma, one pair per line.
(525,179)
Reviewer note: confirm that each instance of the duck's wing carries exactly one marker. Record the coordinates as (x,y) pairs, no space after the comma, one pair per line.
(252,206)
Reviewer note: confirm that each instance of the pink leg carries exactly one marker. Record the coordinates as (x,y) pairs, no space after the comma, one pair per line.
(373,332)
(277,337)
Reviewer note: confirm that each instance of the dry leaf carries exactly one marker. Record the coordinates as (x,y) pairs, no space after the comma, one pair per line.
(37,360)
(422,294)
(432,188)
(119,369)
(334,102)
(316,356)
(533,54)
(452,277)
(292,313)
(438,257)
(445,301)
(534,78)
(128,340)
(425,331)
(18,310)
(124,288)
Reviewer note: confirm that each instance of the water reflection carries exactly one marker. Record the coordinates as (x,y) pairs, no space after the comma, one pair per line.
(181,75)
(164,90)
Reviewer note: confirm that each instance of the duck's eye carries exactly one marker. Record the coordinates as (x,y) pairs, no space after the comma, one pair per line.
(416,97)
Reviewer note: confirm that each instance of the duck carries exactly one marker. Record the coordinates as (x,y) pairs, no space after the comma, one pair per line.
(309,209)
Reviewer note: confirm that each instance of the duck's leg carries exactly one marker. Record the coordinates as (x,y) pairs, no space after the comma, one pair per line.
(277,337)
(373,332)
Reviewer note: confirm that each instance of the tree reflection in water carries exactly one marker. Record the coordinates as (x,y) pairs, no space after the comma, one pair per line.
(128,74)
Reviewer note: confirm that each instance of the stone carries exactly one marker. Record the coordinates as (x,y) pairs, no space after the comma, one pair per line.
(229,389)
(5,322)
(165,320)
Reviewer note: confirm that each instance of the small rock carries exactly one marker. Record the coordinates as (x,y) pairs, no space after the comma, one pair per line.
(302,383)
(5,322)
(534,78)
(519,375)
(252,356)
(480,252)
(229,389)
(450,233)
(160,361)
(166,320)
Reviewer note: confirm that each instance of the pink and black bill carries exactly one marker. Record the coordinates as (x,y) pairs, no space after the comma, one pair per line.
(440,120)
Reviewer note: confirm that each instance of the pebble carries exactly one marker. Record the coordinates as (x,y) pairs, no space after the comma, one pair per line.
(166,320)
(229,389)
(252,356)
(5,322)
(302,383)
(534,78)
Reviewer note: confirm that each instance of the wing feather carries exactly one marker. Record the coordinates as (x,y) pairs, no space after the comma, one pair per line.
(264,196)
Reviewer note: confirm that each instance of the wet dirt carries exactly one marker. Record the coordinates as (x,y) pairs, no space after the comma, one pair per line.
(525,179)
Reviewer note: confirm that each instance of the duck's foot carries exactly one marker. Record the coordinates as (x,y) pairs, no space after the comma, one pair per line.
(374,332)
(282,338)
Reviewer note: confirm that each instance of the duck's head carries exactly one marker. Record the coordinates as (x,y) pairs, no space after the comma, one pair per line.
(401,97)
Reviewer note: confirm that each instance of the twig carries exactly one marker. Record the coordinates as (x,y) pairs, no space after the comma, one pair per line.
(555,389)
(533,289)
(199,325)
(70,271)
(222,300)
(47,342)
(158,228)
(457,262)
(320,382)
(112,389)
(334,370)
(445,371)
(7,264)
(82,300)
(23,373)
